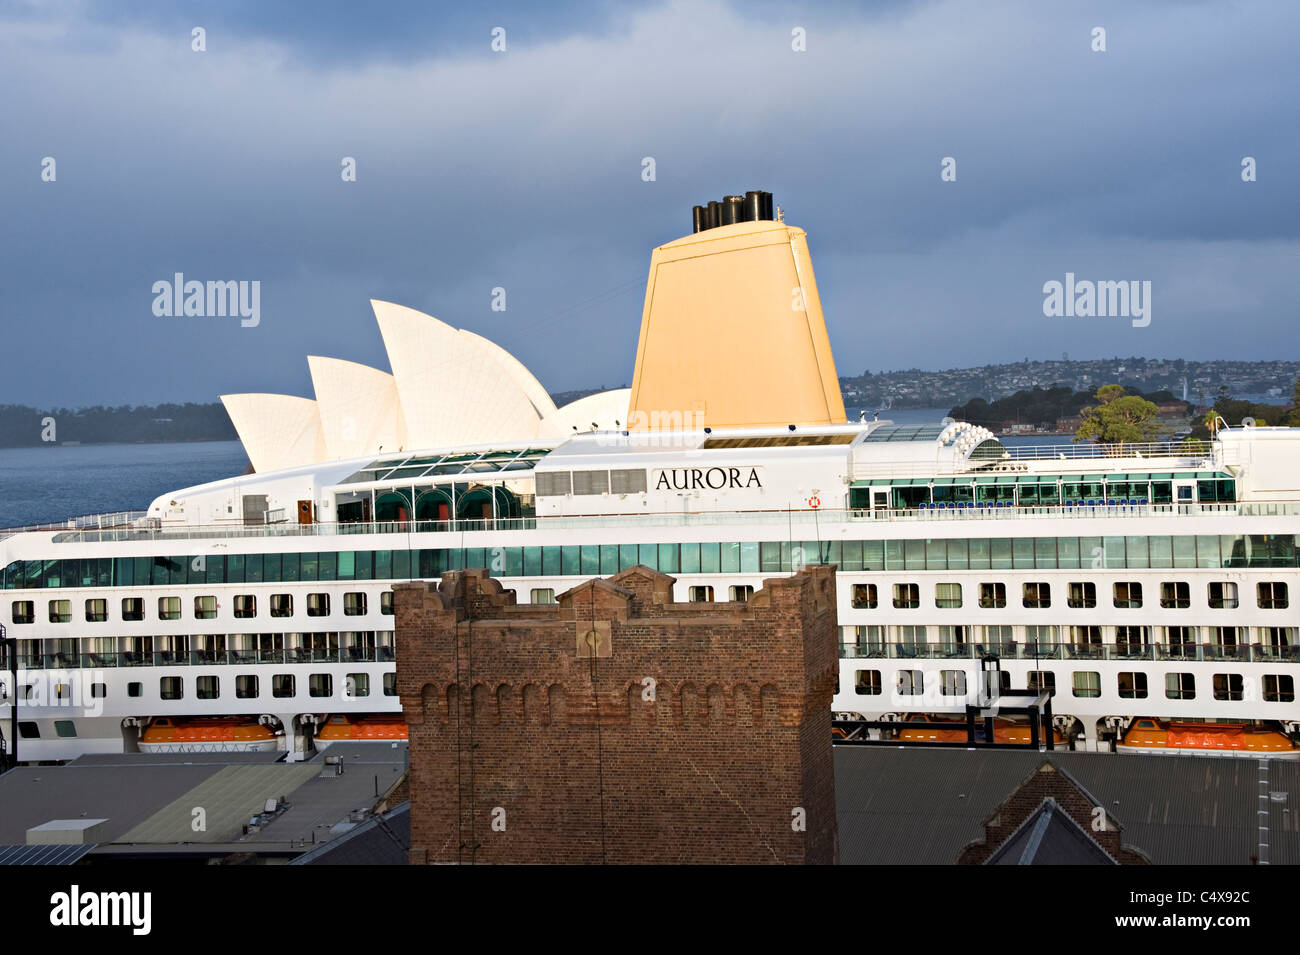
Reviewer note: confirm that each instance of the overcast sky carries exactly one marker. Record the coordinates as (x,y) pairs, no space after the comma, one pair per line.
(523,169)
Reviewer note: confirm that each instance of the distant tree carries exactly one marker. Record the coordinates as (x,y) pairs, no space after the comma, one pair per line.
(1294,420)
(1211,421)
(1119,418)
(1108,393)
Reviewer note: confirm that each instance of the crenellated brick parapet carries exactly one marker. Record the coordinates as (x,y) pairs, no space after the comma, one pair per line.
(618,725)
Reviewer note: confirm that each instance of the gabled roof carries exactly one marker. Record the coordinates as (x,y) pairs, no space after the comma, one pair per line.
(1049,836)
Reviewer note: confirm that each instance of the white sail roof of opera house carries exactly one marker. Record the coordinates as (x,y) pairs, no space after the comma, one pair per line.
(448,387)
(603,411)
(455,387)
(278,431)
(358,407)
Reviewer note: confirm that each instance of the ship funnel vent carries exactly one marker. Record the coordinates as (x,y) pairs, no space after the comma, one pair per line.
(753,206)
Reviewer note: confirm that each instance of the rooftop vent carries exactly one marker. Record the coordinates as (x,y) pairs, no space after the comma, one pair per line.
(753,206)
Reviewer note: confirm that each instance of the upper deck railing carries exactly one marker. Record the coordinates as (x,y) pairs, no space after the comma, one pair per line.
(117,519)
(1189,449)
(805,518)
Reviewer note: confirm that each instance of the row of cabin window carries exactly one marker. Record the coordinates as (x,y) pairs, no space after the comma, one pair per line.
(283,686)
(1131,685)
(1002,636)
(1174,594)
(1045,492)
(603,560)
(205,607)
(327,641)
(1271,595)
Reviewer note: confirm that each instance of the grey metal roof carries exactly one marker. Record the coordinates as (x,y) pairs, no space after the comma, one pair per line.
(149,799)
(381,840)
(228,799)
(43,855)
(173,759)
(325,800)
(916,805)
(32,795)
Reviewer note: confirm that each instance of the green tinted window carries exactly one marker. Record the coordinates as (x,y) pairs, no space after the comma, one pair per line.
(649,556)
(710,561)
(730,558)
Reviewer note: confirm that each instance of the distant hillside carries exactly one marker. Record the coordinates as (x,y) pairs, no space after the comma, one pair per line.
(1045,407)
(917,388)
(22,426)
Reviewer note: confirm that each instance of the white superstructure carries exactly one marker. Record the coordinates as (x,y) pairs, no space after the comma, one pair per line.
(1147,580)
(1158,583)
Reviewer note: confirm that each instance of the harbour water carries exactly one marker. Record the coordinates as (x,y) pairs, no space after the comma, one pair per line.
(41,485)
(53,483)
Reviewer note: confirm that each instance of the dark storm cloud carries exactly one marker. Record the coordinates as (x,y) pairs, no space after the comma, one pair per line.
(522,170)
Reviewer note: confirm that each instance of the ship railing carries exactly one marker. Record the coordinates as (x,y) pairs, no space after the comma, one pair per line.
(1046,652)
(986,511)
(172,658)
(112,521)
(804,517)
(1190,448)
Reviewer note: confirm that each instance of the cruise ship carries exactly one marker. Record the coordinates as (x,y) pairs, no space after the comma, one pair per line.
(1146,586)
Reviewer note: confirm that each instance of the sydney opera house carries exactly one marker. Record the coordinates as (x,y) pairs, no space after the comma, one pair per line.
(448,387)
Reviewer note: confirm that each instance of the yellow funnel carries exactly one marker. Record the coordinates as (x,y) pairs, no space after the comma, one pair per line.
(732,334)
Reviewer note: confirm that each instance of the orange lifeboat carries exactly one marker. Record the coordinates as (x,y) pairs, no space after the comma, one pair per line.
(381,728)
(207,734)
(1004,731)
(1148,735)
(927,734)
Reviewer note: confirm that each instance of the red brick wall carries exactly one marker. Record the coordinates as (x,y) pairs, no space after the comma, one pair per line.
(525,749)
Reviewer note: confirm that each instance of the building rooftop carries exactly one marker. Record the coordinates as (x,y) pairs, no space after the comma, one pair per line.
(200,803)
(903,806)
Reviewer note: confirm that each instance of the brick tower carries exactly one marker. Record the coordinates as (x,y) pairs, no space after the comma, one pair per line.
(617,725)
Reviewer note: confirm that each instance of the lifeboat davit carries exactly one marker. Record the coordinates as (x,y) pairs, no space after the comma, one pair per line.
(383,728)
(1147,735)
(207,734)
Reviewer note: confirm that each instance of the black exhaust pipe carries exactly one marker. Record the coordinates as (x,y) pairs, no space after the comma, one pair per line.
(732,209)
(753,206)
